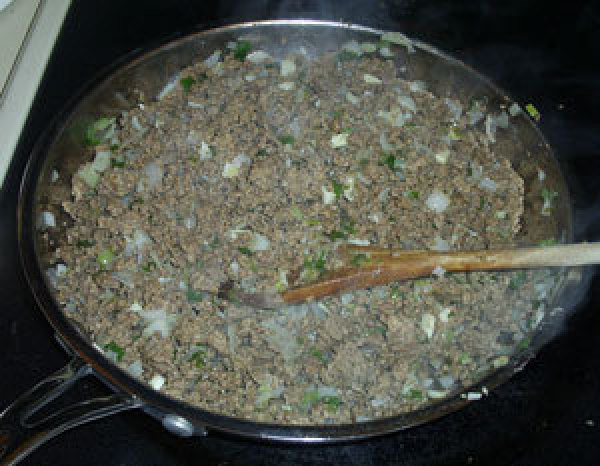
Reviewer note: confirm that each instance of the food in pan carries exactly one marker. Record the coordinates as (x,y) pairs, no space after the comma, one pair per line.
(253,170)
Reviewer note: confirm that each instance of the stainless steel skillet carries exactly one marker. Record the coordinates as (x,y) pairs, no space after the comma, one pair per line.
(61,146)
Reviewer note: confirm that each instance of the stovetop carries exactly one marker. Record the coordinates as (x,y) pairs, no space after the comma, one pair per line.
(539,51)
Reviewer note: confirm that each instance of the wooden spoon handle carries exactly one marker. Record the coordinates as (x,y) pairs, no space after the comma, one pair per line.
(381,266)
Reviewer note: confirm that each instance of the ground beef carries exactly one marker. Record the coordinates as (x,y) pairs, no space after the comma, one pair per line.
(241,174)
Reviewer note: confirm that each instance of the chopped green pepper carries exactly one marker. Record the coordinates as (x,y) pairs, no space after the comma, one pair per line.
(338,189)
(113,347)
(241,50)
(533,112)
(187,83)
(286,139)
(246,251)
(105,259)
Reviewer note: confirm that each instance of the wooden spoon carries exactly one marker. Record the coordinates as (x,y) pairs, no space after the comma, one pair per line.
(366,266)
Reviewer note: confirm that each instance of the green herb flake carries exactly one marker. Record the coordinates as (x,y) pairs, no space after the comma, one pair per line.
(317,264)
(85,243)
(358,259)
(469,171)
(454,134)
(199,357)
(347,55)
(105,259)
(533,112)
(117,162)
(114,348)
(389,160)
(241,50)
(94,133)
(332,403)
(310,397)
(316,353)
(187,83)
(149,266)
(518,280)
(548,195)
(335,235)
(413,195)
(524,343)
(338,189)
(262,153)
(246,251)
(297,213)
(286,139)
(547,242)
(414,395)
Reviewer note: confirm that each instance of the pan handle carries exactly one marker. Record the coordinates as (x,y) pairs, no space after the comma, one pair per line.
(20,434)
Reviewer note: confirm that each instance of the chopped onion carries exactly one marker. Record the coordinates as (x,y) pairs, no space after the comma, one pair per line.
(169,87)
(442,156)
(353,47)
(89,176)
(352,98)
(489,184)
(385,145)
(370,79)
(101,160)
(339,140)
(407,102)
(135,369)
(258,56)
(288,67)
(444,314)
(287,86)
(428,325)
(259,243)
(157,382)
(386,52)
(135,123)
(368,47)
(54,176)
(231,170)
(157,320)
(541,175)
(439,271)
(399,39)
(437,201)
(190,222)
(328,196)
(440,244)
(46,220)
(514,109)
(359,242)
(213,59)
(455,108)
(395,116)
(124,278)
(417,86)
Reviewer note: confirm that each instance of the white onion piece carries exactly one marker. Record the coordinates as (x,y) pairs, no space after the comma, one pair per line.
(169,87)
(213,59)
(428,325)
(288,67)
(46,220)
(157,382)
(101,160)
(437,201)
(259,243)
(488,184)
(135,369)
(258,56)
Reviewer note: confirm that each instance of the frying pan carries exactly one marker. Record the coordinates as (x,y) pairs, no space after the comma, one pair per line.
(61,147)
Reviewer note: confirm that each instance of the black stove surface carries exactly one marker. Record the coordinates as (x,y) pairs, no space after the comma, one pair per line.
(539,51)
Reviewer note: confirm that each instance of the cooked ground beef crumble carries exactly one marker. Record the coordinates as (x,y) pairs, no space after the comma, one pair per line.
(255,171)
